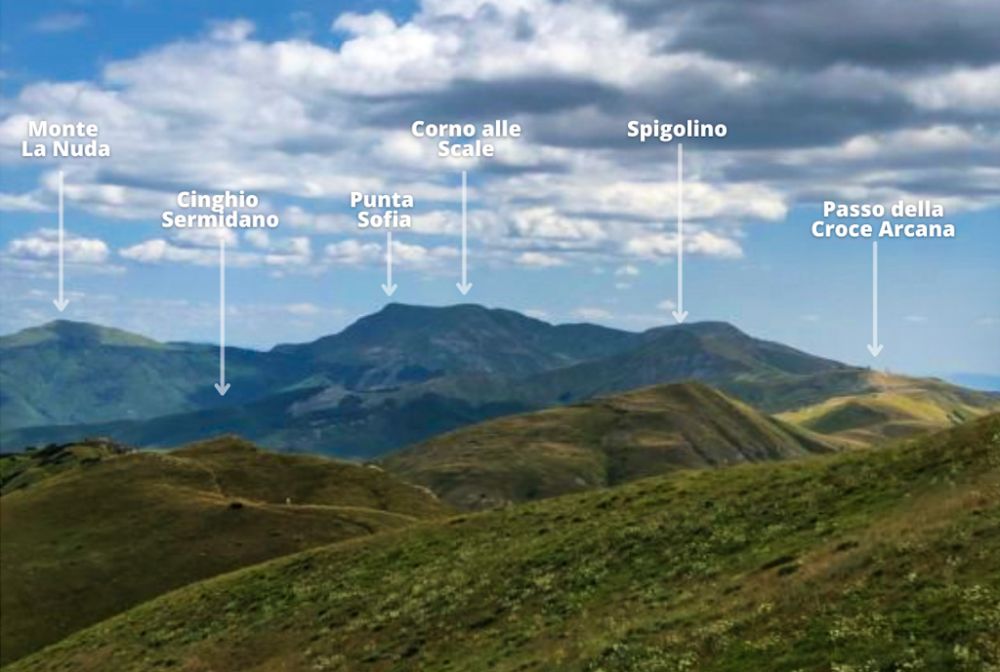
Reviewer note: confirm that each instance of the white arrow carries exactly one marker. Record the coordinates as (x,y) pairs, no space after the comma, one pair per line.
(222,386)
(465,285)
(874,347)
(388,287)
(680,314)
(61,302)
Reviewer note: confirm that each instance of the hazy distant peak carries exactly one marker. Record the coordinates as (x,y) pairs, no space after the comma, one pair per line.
(76,333)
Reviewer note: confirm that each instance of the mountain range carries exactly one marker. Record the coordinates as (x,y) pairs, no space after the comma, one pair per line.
(408,373)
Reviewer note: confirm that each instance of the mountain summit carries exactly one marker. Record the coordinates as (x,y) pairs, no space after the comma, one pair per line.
(400,376)
(405,343)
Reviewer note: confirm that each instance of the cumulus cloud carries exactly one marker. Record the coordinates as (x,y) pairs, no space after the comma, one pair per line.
(200,247)
(538,260)
(28,202)
(658,245)
(160,250)
(352,252)
(36,254)
(231,31)
(889,105)
(44,244)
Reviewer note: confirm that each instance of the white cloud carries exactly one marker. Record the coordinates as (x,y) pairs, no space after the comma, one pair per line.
(960,89)
(666,305)
(200,247)
(658,245)
(61,22)
(546,222)
(258,238)
(237,30)
(206,237)
(591,313)
(44,244)
(159,250)
(304,309)
(628,270)
(328,118)
(421,257)
(352,252)
(29,202)
(538,260)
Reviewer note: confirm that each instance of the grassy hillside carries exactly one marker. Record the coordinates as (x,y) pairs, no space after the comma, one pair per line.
(866,560)
(72,372)
(22,470)
(602,442)
(88,531)
(893,407)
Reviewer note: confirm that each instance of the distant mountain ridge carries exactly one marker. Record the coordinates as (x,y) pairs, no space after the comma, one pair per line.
(393,378)
(404,344)
(73,372)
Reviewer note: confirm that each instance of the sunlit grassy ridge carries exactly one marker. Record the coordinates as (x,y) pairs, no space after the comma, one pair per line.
(894,407)
(88,532)
(866,560)
(606,441)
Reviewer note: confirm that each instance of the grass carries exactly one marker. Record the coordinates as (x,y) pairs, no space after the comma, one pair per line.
(89,532)
(861,561)
(895,407)
(603,442)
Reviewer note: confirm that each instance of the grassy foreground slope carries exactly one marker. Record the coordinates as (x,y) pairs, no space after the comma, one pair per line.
(89,531)
(866,560)
(602,442)
(893,407)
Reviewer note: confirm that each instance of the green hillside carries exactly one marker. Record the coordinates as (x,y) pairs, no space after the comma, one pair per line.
(865,560)
(893,407)
(72,372)
(22,470)
(89,531)
(602,442)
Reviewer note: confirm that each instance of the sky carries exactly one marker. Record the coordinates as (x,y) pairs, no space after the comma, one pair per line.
(303,102)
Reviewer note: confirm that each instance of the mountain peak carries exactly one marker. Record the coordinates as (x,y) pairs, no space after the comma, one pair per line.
(76,333)
(705,328)
(396,309)
(407,343)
